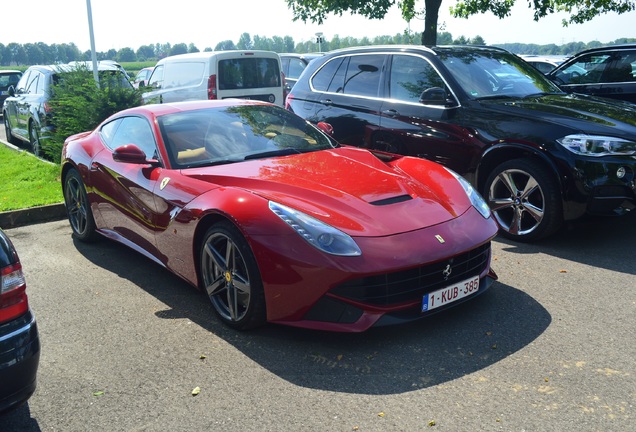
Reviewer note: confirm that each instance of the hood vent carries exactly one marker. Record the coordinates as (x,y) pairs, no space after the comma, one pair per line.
(392,200)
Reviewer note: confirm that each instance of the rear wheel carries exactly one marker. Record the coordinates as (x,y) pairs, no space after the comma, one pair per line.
(231,278)
(34,139)
(78,208)
(524,199)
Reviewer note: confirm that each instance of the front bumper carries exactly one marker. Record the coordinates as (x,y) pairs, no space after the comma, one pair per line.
(19,360)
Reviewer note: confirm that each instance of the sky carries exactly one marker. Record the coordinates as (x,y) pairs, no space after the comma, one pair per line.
(124,23)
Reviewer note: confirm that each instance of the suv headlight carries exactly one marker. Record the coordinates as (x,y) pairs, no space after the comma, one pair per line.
(475,198)
(320,235)
(593,145)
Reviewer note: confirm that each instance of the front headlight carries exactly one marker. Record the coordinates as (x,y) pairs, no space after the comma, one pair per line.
(320,235)
(476,200)
(592,145)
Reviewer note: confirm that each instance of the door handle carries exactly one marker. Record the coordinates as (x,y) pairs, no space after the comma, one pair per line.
(391,113)
(326,102)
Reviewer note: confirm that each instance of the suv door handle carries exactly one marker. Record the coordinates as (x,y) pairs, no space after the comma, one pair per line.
(391,113)
(326,101)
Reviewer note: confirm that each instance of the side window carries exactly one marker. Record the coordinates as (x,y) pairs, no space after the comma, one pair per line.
(410,76)
(22,84)
(32,84)
(331,75)
(586,70)
(130,130)
(622,68)
(156,79)
(182,74)
(363,75)
(296,67)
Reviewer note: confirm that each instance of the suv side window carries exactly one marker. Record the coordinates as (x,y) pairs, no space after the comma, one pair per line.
(622,68)
(363,75)
(410,76)
(324,79)
(588,69)
(21,86)
(296,67)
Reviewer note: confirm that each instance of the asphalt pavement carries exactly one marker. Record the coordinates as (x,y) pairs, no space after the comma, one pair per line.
(550,347)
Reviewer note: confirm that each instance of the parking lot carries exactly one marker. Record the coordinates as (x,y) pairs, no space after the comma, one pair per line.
(550,347)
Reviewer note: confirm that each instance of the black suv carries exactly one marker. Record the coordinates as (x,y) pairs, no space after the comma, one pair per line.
(538,155)
(27,116)
(608,72)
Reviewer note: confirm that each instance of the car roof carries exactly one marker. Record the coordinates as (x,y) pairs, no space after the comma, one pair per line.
(418,48)
(618,47)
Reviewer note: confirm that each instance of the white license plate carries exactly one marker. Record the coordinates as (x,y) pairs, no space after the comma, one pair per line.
(4,93)
(450,294)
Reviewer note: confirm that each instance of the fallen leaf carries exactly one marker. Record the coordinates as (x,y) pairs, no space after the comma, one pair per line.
(432,423)
(202,357)
(381,414)
(98,393)
(563,271)
(196,391)
(339,357)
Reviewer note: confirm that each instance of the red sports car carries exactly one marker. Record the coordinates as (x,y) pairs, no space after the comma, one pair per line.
(276,221)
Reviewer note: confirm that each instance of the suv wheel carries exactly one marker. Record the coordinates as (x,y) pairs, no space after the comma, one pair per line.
(34,139)
(7,130)
(524,199)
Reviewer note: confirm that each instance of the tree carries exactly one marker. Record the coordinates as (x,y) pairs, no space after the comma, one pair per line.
(126,55)
(580,11)
(245,42)
(225,45)
(179,48)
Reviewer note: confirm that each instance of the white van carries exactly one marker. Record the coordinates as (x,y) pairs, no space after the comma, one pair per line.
(217,75)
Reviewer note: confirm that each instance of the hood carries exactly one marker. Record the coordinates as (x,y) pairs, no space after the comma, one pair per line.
(581,113)
(350,189)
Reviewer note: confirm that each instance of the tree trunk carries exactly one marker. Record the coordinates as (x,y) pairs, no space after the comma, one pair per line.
(431,13)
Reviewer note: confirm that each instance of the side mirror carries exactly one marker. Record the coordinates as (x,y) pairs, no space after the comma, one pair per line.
(434,96)
(326,128)
(11,91)
(131,154)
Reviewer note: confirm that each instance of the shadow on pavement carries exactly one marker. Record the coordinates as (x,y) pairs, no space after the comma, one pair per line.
(387,360)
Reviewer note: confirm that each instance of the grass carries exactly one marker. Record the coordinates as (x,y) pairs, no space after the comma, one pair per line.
(27,181)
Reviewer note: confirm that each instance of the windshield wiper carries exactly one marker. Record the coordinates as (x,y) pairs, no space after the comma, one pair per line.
(534,95)
(211,163)
(272,153)
(494,97)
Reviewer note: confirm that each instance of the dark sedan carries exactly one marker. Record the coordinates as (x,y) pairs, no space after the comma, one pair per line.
(19,340)
(538,155)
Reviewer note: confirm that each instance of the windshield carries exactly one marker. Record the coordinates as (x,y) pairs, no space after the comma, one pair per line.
(493,74)
(221,135)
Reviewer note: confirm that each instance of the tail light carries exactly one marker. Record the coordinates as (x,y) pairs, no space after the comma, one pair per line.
(288,100)
(13,297)
(212,87)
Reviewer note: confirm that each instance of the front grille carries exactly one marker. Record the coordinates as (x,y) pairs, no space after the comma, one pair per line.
(408,285)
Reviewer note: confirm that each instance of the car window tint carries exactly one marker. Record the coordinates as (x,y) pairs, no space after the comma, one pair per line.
(622,68)
(22,84)
(9,79)
(32,84)
(248,73)
(587,69)
(410,76)
(363,75)
(130,130)
(331,75)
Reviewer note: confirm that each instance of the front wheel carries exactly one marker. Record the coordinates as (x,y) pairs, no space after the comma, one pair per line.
(78,208)
(7,130)
(524,199)
(230,276)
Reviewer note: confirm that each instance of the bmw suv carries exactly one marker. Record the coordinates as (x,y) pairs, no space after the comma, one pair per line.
(538,155)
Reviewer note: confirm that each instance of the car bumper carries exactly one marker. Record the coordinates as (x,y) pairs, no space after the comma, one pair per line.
(607,185)
(19,359)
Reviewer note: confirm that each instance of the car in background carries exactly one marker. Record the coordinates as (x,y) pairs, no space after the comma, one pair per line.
(19,339)
(538,155)
(544,63)
(141,78)
(8,78)
(26,113)
(274,220)
(209,75)
(605,71)
(294,64)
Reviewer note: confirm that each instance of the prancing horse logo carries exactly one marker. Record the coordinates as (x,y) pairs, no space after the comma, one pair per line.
(447,271)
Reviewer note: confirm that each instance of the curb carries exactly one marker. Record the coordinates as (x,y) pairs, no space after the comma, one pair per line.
(33,215)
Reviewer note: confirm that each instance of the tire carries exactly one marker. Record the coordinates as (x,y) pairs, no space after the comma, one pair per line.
(230,277)
(7,129)
(34,140)
(78,209)
(525,200)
